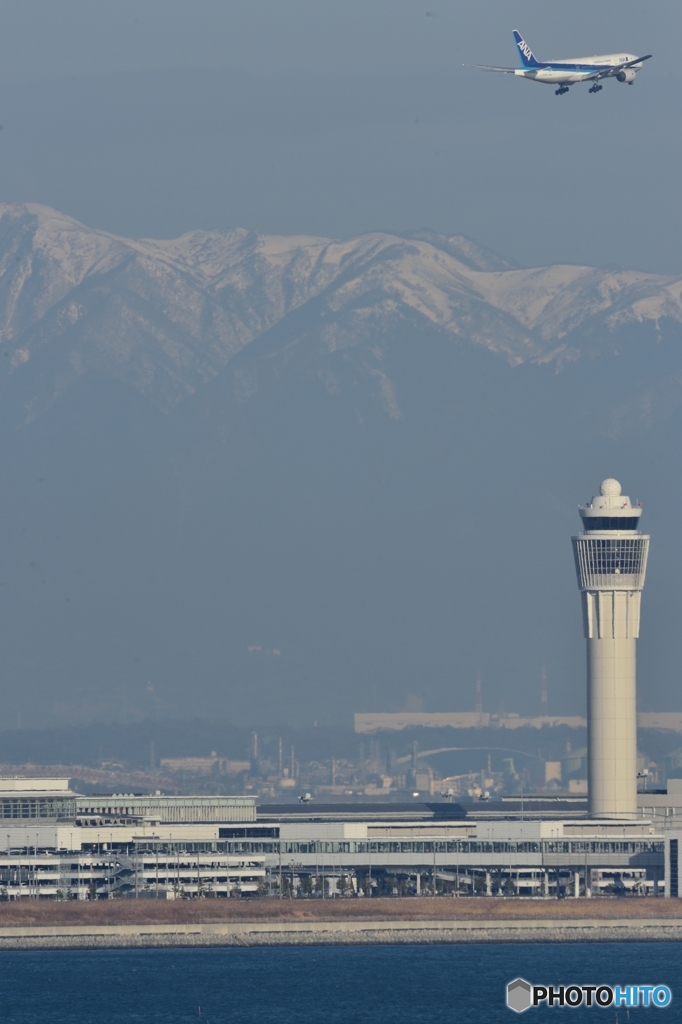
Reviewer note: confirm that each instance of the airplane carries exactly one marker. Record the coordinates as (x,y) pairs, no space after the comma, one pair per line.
(621,66)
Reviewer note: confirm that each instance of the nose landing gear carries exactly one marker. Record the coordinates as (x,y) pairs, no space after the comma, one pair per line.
(595,88)
(561,90)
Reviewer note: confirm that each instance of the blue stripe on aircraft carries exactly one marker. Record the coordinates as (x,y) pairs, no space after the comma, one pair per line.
(568,67)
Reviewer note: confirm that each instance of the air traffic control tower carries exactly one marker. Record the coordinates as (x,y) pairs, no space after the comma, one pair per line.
(610,558)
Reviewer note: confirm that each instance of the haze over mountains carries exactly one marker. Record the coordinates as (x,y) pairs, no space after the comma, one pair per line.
(287,478)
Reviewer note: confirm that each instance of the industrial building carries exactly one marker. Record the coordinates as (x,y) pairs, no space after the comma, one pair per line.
(395,721)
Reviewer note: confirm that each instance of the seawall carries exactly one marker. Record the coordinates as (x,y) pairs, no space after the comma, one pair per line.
(339,932)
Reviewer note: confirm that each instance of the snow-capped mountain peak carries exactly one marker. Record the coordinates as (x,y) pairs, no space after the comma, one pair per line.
(165,316)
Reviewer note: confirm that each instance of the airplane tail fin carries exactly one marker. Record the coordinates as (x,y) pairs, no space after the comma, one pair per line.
(525,52)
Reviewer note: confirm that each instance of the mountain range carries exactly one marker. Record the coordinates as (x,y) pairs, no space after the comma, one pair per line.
(164,317)
(288,478)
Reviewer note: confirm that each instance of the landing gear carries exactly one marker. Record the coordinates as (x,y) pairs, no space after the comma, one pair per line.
(561,90)
(595,88)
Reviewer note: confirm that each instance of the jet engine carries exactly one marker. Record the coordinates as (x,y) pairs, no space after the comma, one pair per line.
(626,75)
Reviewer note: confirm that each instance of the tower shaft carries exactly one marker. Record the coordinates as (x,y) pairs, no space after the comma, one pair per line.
(612,728)
(611,628)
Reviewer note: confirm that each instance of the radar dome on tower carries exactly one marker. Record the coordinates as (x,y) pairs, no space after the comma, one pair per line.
(610,509)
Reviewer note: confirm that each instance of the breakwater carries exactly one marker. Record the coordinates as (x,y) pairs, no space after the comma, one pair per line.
(340,932)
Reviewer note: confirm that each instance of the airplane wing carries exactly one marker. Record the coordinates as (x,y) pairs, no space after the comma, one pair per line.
(616,68)
(488,67)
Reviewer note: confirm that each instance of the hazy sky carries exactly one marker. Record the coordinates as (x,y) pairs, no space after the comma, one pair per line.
(307,116)
(302,116)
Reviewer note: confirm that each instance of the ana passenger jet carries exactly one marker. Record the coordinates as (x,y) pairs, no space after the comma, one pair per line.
(621,66)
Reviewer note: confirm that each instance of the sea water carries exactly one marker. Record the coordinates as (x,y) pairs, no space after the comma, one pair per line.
(325,984)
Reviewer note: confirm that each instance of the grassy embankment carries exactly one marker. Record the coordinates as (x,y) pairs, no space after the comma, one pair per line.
(104,912)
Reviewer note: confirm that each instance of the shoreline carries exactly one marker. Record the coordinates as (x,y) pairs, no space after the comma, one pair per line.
(210,923)
(338,933)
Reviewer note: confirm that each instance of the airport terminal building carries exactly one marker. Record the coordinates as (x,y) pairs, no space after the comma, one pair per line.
(59,844)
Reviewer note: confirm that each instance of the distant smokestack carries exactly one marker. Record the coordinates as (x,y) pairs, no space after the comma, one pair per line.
(543,693)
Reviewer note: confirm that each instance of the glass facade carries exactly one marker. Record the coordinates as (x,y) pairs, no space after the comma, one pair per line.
(461,847)
(176,809)
(257,832)
(610,522)
(603,561)
(608,557)
(29,808)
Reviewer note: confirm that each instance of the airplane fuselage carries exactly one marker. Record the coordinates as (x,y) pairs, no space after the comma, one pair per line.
(578,69)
